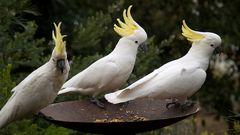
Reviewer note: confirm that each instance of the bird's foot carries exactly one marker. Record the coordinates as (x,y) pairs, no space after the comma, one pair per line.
(98,103)
(124,105)
(176,104)
(187,105)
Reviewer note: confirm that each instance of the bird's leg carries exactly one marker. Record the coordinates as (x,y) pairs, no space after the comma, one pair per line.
(174,102)
(188,104)
(97,102)
(125,104)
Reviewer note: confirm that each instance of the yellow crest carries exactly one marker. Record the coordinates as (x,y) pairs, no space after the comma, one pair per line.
(191,35)
(128,27)
(58,40)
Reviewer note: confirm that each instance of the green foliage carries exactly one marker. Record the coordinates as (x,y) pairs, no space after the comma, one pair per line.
(23,49)
(236,127)
(28,127)
(11,19)
(6,84)
(87,36)
(54,130)
(17,43)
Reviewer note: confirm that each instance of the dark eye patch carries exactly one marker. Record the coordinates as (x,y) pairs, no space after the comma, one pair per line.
(136,42)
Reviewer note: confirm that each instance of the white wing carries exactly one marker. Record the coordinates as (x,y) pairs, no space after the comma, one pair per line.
(96,76)
(30,78)
(138,83)
(143,80)
(148,77)
(173,81)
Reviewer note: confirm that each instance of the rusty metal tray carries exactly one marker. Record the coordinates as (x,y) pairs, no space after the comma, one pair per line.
(136,116)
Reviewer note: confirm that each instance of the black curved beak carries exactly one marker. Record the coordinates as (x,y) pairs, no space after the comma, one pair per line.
(218,50)
(61,64)
(143,47)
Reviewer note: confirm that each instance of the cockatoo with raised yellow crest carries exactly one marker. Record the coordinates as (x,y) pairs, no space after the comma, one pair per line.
(40,88)
(112,71)
(178,79)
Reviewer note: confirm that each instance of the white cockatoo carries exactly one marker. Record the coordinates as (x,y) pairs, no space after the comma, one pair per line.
(112,71)
(178,79)
(40,88)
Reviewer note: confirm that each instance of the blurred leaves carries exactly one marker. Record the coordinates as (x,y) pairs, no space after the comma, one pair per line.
(236,128)
(24,48)
(87,36)
(27,127)
(6,84)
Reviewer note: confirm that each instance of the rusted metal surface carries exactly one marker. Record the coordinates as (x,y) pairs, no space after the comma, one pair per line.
(134,117)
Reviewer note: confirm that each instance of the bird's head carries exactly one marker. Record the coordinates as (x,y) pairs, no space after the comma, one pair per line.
(59,54)
(209,41)
(130,30)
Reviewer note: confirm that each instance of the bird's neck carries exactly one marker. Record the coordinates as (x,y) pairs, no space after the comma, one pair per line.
(126,47)
(199,55)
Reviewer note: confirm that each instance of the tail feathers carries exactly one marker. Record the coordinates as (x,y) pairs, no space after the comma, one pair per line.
(69,90)
(9,112)
(3,121)
(5,118)
(115,97)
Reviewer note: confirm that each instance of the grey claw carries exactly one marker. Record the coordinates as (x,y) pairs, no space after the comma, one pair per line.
(98,103)
(187,105)
(172,103)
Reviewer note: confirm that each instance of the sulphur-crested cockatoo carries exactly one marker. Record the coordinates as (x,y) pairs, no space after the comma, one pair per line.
(112,71)
(40,88)
(178,79)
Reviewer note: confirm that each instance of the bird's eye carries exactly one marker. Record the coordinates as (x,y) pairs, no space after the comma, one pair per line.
(212,45)
(136,42)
